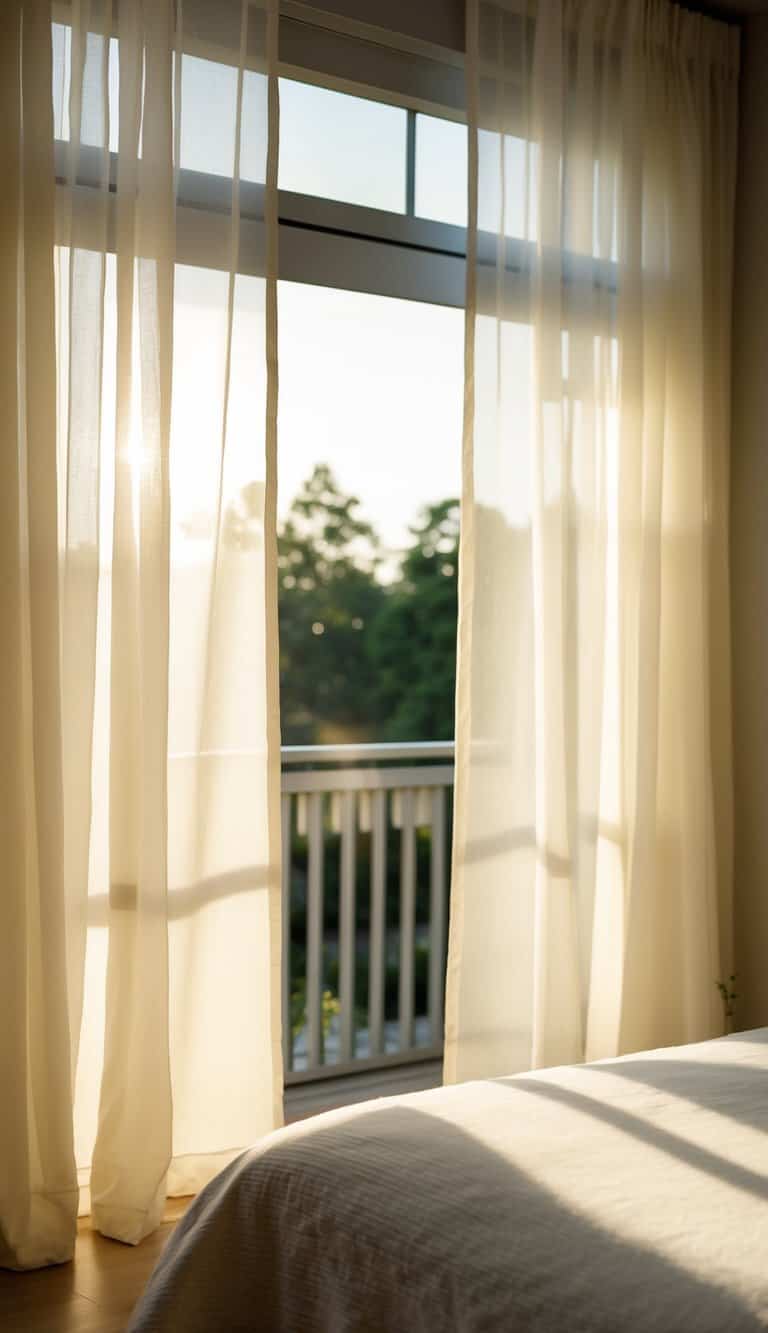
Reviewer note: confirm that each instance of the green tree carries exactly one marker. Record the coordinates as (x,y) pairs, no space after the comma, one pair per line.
(329,595)
(412,642)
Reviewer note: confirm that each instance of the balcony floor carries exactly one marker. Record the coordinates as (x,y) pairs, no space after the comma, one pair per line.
(305,1099)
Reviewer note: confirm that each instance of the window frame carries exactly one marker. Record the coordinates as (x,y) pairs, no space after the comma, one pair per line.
(326,242)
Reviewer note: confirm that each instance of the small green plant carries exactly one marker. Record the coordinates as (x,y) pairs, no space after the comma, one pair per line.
(727,995)
(330,1007)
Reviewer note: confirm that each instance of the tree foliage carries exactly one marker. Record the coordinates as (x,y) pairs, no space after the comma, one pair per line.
(412,643)
(363,657)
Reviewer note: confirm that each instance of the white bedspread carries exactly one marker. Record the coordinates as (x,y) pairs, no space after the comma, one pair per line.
(626,1195)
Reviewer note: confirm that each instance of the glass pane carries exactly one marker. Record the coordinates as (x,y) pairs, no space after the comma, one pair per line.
(369,479)
(208,110)
(341,147)
(507,193)
(441,170)
(209,119)
(93,125)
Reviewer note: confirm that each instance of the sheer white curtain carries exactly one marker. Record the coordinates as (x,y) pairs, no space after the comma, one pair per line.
(139,953)
(591,883)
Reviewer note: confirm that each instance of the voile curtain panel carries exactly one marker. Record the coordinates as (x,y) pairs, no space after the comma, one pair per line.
(139,813)
(591,893)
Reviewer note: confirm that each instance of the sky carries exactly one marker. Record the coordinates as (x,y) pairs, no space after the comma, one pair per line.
(373,386)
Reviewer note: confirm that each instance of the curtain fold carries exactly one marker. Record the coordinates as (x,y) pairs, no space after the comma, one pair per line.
(38,1186)
(140,946)
(591,877)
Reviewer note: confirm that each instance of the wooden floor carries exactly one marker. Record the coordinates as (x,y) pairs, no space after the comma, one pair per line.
(93,1294)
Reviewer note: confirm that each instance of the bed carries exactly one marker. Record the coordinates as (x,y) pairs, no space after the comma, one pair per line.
(628,1194)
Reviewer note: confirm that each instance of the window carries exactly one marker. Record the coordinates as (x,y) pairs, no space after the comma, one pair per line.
(339,147)
(370,297)
(371,332)
(441,170)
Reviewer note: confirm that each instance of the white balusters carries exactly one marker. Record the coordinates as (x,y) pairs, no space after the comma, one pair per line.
(407,916)
(437,910)
(378,942)
(359,801)
(315,857)
(347,928)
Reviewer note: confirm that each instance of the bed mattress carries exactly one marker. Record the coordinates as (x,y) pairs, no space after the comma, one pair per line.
(629,1194)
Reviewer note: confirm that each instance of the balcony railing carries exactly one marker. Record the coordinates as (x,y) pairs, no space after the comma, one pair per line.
(366,834)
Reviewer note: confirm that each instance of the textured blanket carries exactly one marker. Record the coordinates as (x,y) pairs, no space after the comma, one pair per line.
(630,1194)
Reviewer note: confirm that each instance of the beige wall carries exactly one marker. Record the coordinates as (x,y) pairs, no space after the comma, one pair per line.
(440,21)
(749,532)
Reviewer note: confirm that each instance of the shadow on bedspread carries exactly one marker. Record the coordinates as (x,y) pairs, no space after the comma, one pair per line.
(400,1221)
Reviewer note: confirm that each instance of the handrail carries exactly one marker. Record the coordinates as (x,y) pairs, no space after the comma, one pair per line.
(380,750)
(367,779)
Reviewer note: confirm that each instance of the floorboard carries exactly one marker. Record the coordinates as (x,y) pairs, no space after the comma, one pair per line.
(93,1294)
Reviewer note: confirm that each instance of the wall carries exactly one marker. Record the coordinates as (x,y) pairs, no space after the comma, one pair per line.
(749,532)
(440,21)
